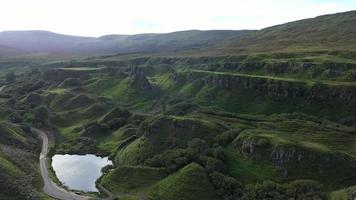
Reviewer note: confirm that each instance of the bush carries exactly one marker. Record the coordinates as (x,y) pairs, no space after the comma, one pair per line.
(304,189)
(95,129)
(10,77)
(227,188)
(41,114)
(268,190)
(297,190)
(198,147)
(116,123)
(213,164)
(226,137)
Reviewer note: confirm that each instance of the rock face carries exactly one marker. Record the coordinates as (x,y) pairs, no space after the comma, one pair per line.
(138,79)
(271,87)
(293,160)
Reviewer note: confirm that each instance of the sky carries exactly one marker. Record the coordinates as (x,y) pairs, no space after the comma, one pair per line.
(102,17)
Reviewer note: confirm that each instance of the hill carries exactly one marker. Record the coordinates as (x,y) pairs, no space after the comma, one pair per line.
(334,32)
(272,117)
(327,32)
(49,42)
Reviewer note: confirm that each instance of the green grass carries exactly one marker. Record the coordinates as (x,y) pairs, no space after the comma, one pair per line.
(132,180)
(81,68)
(307,82)
(168,131)
(343,194)
(248,171)
(189,183)
(11,131)
(110,144)
(8,167)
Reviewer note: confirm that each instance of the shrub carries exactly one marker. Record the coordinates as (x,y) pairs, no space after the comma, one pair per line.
(304,189)
(41,114)
(227,188)
(10,77)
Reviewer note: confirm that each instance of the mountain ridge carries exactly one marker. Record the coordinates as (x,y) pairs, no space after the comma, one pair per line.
(326,32)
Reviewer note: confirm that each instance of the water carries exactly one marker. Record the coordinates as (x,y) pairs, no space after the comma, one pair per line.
(79,172)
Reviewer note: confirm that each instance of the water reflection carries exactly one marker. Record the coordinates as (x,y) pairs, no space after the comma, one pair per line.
(79,172)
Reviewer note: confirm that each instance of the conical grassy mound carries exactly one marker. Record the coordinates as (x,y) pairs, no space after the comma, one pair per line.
(189,183)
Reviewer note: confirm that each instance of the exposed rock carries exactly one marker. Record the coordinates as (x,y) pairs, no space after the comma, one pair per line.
(139,80)
(272,87)
(291,160)
(121,73)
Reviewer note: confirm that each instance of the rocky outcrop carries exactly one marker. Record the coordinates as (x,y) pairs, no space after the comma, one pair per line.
(293,160)
(271,87)
(138,79)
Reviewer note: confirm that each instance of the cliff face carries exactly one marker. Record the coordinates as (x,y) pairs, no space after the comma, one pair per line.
(272,87)
(292,160)
(138,79)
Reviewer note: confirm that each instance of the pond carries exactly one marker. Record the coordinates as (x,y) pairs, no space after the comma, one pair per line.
(79,172)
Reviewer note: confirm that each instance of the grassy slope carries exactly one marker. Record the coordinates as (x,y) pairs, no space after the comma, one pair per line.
(132,180)
(190,183)
(321,33)
(321,137)
(17,162)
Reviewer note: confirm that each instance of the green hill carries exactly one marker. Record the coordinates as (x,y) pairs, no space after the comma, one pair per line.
(190,183)
(328,32)
(267,114)
(18,171)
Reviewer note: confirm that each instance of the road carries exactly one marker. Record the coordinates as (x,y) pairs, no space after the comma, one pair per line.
(1,88)
(51,188)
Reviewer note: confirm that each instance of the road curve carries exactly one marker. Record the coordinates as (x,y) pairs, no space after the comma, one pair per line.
(51,188)
(1,88)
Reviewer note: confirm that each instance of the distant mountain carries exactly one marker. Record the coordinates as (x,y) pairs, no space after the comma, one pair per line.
(41,41)
(328,32)
(48,42)
(4,50)
(331,32)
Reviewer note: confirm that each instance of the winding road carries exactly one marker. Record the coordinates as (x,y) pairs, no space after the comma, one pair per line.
(51,188)
(1,88)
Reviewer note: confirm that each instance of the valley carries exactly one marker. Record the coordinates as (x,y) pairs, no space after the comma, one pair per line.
(193,115)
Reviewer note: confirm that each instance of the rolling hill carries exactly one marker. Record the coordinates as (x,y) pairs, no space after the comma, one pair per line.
(49,42)
(220,115)
(327,32)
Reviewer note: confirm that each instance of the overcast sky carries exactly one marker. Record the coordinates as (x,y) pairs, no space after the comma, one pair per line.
(100,17)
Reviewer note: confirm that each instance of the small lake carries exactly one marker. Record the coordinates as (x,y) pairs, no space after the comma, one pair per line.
(79,172)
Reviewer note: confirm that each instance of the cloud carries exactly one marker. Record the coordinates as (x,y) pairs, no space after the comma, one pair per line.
(99,17)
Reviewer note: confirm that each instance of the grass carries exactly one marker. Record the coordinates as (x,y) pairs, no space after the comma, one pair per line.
(81,68)
(344,194)
(110,144)
(189,183)
(11,131)
(247,170)
(8,167)
(125,180)
(307,82)
(269,70)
